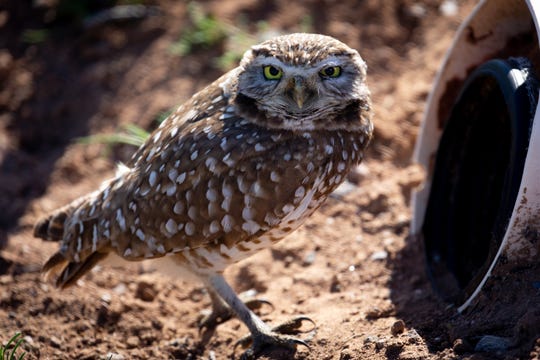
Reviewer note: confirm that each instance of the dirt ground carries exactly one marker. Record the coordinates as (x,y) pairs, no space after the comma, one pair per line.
(352,267)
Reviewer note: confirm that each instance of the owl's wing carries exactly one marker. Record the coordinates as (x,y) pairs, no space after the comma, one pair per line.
(219,180)
(93,225)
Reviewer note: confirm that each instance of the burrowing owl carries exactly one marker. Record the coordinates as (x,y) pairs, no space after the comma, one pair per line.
(232,171)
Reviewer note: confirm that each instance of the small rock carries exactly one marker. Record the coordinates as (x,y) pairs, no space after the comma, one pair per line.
(335,285)
(449,8)
(6,279)
(417,10)
(309,258)
(107,316)
(106,298)
(461,346)
(398,327)
(371,339)
(346,354)
(114,356)
(490,343)
(374,313)
(344,189)
(146,291)
(28,339)
(379,255)
(357,174)
(156,324)
(132,342)
(55,342)
(120,289)
(380,344)
(413,337)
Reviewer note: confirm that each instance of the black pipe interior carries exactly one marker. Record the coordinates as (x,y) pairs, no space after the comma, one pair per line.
(476,178)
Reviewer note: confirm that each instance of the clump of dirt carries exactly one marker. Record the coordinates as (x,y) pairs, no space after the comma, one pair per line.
(352,268)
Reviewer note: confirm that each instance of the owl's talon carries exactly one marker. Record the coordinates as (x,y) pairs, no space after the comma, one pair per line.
(292,326)
(278,337)
(257,304)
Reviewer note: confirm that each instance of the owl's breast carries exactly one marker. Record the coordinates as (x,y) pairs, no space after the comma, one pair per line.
(275,194)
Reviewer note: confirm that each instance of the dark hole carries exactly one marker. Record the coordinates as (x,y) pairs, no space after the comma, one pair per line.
(476,179)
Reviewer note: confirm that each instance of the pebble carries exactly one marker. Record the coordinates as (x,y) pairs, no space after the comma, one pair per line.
(132,341)
(490,343)
(357,174)
(106,298)
(6,279)
(120,289)
(309,258)
(371,339)
(145,291)
(346,354)
(379,255)
(379,344)
(114,356)
(418,10)
(414,337)
(344,189)
(28,339)
(335,285)
(55,342)
(449,8)
(398,327)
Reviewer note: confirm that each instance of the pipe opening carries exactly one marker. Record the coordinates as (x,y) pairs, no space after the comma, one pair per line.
(477,175)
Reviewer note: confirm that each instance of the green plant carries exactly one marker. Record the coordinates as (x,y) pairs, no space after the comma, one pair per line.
(34,36)
(206,31)
(130,134)
(164,115)
(15,341)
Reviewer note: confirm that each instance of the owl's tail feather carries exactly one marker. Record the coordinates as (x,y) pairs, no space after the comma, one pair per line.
(77,255)
(67,273)
(52,227)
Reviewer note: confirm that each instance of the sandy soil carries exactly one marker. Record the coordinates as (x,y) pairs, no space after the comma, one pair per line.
(352,268)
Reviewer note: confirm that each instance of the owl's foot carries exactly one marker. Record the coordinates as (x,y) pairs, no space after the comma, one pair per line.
(221,312)
(278,337)
(262,336)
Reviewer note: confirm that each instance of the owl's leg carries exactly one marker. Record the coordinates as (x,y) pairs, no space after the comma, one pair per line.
(261,334)
(221,312)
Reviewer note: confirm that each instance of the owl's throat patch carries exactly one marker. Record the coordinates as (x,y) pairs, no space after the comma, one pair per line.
(354,116)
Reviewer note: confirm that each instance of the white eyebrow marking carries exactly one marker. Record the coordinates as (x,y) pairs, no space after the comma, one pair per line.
(292,70)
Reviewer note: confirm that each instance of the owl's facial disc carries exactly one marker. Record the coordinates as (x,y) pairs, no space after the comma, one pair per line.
(303,82)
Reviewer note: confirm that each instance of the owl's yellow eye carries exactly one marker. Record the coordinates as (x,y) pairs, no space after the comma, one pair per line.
(331,71)
(272,72)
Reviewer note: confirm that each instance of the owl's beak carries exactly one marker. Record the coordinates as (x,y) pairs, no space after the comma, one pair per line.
(298,90)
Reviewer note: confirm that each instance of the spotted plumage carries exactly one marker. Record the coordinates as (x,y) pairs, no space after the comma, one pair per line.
(235,169)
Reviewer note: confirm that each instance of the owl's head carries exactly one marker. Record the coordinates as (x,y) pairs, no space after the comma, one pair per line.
(304,82)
